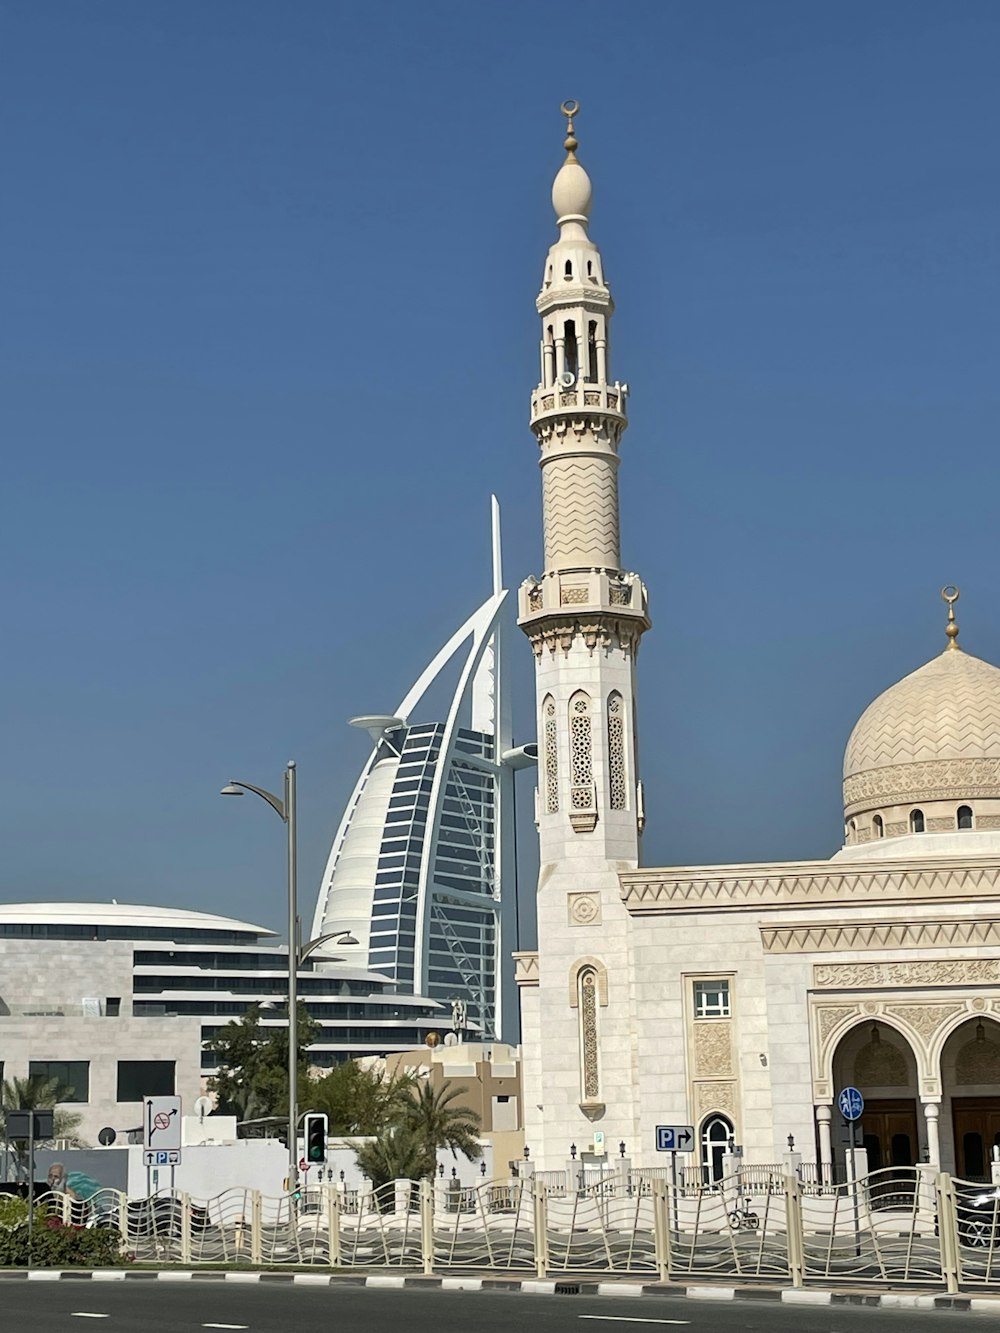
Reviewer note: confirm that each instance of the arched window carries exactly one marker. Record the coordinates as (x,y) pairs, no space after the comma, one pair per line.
(550,731)
(571,353)
(965,816)
(590,269)
(916,821)
(616,751)
(878,827)
(568,271)
(581,752)
(853,826)
(592,351)
(590,1074)
(588,994)
(716,1133)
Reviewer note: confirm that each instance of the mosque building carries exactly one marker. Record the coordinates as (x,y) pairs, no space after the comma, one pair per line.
(738,999)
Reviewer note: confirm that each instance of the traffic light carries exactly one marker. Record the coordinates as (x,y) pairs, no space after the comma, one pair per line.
(314,1137)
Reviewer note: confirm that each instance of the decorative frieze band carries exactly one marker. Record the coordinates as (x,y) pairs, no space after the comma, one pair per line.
(526,968)
(559,632)
(879,935)
(925,972)
(934,780)
(721,889)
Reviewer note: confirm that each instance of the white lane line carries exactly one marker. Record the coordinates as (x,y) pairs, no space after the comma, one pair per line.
(87,1314)
(225,1325)
(631,1319)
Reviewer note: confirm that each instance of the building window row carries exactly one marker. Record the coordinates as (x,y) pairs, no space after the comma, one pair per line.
(136,1079)
(964,819)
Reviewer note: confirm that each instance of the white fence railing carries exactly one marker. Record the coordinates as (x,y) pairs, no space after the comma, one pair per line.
(908,1225)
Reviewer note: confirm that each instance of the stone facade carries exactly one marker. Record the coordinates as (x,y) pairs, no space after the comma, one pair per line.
(740,998)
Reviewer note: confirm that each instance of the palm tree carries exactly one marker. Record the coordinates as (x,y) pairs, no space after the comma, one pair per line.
(437,1123)
(35,1094)
(398,1154)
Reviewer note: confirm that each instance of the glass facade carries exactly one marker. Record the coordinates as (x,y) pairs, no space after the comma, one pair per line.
(453,855)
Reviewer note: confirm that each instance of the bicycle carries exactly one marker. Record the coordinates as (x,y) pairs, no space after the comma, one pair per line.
(744,1216)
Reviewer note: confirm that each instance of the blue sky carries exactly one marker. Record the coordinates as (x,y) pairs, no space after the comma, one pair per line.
(267,344)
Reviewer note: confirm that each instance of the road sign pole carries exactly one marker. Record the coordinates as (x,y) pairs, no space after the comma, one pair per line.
(854,1191)
(673,1190)
(31,1182)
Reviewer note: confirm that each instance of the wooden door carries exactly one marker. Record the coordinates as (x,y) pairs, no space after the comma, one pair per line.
(889,1134)
(976,1123)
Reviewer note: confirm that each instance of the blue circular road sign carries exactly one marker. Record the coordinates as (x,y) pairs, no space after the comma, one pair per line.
(851,1103)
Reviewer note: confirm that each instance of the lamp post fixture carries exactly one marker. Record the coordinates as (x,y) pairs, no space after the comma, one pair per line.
(285,808)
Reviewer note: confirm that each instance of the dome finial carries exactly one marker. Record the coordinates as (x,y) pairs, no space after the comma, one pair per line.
(570,109)
(950,594)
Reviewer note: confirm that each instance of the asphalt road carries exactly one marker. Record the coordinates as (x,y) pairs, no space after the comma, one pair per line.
(183,1307)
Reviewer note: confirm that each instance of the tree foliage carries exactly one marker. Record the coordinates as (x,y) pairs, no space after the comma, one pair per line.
(397,1154)
(438,1122)
(358,1099)
(37,1094)
(251,1078)
(423,1120)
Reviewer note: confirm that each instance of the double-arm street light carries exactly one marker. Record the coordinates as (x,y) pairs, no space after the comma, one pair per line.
(297,953)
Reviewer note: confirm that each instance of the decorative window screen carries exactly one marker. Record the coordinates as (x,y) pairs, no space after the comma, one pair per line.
(616,750)
(590,1075)
(551,733)
(581,752)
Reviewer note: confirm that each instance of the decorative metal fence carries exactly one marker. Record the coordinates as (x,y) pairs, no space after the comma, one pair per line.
(901,1226)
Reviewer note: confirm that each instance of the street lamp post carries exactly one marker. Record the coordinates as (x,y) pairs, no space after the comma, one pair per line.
(286,812)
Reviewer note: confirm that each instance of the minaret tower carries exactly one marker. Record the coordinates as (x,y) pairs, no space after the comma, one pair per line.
(584,616)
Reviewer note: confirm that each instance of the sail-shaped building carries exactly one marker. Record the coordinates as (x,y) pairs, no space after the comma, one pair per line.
(422,870)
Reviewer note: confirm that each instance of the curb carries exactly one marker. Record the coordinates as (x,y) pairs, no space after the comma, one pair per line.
(567,1286)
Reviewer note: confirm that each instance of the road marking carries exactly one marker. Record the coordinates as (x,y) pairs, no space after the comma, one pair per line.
(225,1325)
(87,1314)
(630,1319)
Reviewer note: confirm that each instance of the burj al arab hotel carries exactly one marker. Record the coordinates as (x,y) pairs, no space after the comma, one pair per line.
(422,870)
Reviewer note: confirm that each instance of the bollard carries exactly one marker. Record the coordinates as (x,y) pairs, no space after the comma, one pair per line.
(794,1233)
(427,1225)
(333,1225)
(541,1218)
(661,1229)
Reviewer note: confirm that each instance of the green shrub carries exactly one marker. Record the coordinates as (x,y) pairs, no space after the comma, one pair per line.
(55,1245)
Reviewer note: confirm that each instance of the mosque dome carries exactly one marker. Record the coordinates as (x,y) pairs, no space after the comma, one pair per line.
(925,755)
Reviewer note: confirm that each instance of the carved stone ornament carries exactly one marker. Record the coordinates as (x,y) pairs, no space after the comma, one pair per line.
(709,1097)
(911,784)
(924,1019)
(811,882)
(830,1017)
(978,1062)
(926,972)
(879,935)
(713,1050)
(584,909)
(558,633)
(526,968)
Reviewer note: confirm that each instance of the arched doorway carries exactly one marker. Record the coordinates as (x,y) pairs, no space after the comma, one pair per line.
(716,1135)
(970,1079)
(879,1062)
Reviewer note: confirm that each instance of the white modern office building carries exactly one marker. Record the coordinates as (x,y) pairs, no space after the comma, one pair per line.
(116,1001)
(422,870)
